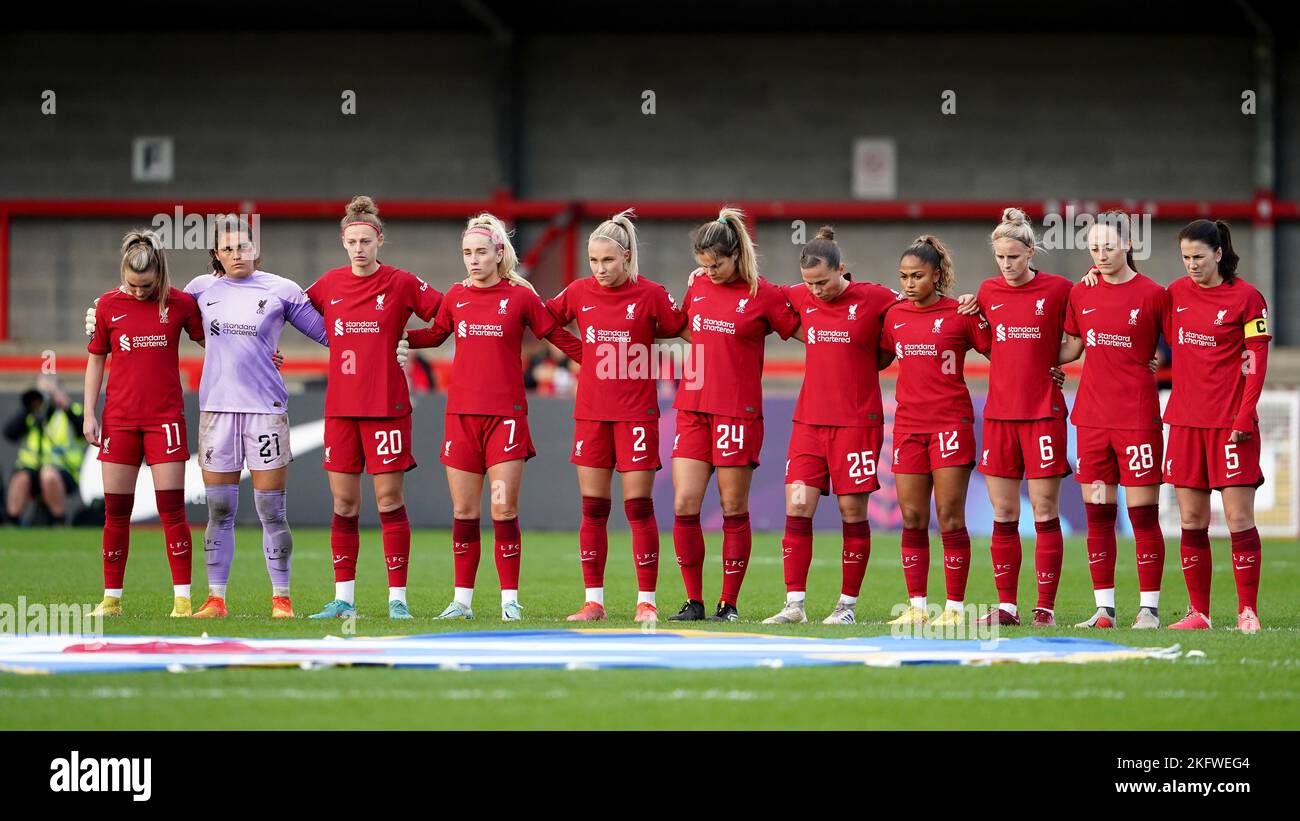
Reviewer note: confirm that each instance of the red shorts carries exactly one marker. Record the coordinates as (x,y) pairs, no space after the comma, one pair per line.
(377,443)
(1206,458)
(624,446)
(843,459)
(163,442)
(722,441)
(928,452)
(475,443)
(1130,458)
(1024,449)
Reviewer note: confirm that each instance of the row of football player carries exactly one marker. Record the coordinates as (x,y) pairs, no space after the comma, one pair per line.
(1025,320)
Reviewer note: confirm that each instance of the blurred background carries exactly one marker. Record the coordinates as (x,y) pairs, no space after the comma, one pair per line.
(886,120)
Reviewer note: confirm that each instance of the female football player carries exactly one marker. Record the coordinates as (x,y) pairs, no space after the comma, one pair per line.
(366,305)
(139,325)
(486,431)
(616,416)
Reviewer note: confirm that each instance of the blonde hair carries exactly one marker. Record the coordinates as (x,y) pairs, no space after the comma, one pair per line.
(728,235)
(142,251)
(620,230)
(932,252)
(500,239)
(362,209)
(1015,225)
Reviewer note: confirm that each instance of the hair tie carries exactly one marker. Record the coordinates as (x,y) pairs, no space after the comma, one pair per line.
(722,220)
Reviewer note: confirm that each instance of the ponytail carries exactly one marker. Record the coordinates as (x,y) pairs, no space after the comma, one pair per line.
(726,236)
(142,251)
(620,230)
(497,234)
(932,252)
(1015,225)
(1218,236)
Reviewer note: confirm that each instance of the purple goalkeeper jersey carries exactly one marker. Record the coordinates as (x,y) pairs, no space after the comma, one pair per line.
(243,319)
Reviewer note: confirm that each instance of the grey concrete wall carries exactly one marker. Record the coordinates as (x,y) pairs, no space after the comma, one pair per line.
(257,116)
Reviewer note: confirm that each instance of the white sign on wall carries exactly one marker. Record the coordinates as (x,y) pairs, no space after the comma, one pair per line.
(151,159)
(875,168)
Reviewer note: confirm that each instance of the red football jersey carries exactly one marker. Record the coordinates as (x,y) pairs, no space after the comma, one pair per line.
(1119,325)
(728,328)
(365,318)
(930,344)
(618,327)
(1026,322)
(487,376)
(1208,329)
(841,385)
(143,348)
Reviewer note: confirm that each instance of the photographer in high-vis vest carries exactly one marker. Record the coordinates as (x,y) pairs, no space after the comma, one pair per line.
(47,430)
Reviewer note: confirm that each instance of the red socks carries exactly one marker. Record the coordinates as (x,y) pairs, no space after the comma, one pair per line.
(180,552)
(1150,546)
(117,537)
(645,541)
(853,559)
(1005,550)
(345,544)
(593,540)
(1197,569)
(1101,544)
(737,543)
(916,560)
(396,531)
(956,562)
(465,551)
(688,541)
(509,546)
(1048,550)
(1246,555)
(796,552)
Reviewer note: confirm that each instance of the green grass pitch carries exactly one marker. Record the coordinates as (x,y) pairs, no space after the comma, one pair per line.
(1243,682)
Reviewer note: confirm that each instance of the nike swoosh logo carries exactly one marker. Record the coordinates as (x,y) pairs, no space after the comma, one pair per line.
(1088,310)
(860,481)
(509,448)
(1230,475)
(391,460)
(730,452)
(1006,573)
(338,559)
(995,307)
(1242,567)
(1141,563)
(461,304)
(335,301)
(586,308)
(1045,465)
(809,310)
(508,555)
(729,572)
(1140,475)
(639,458)
(698,298)
(592,559)
(116,318)
(1180,310)
(173,450)
(1094,561)
(643,564)
(214,302)
(899,325)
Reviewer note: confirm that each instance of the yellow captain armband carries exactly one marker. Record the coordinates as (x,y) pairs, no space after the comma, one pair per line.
(1257,327)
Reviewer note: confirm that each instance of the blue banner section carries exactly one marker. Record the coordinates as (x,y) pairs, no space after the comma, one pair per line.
(553,649)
